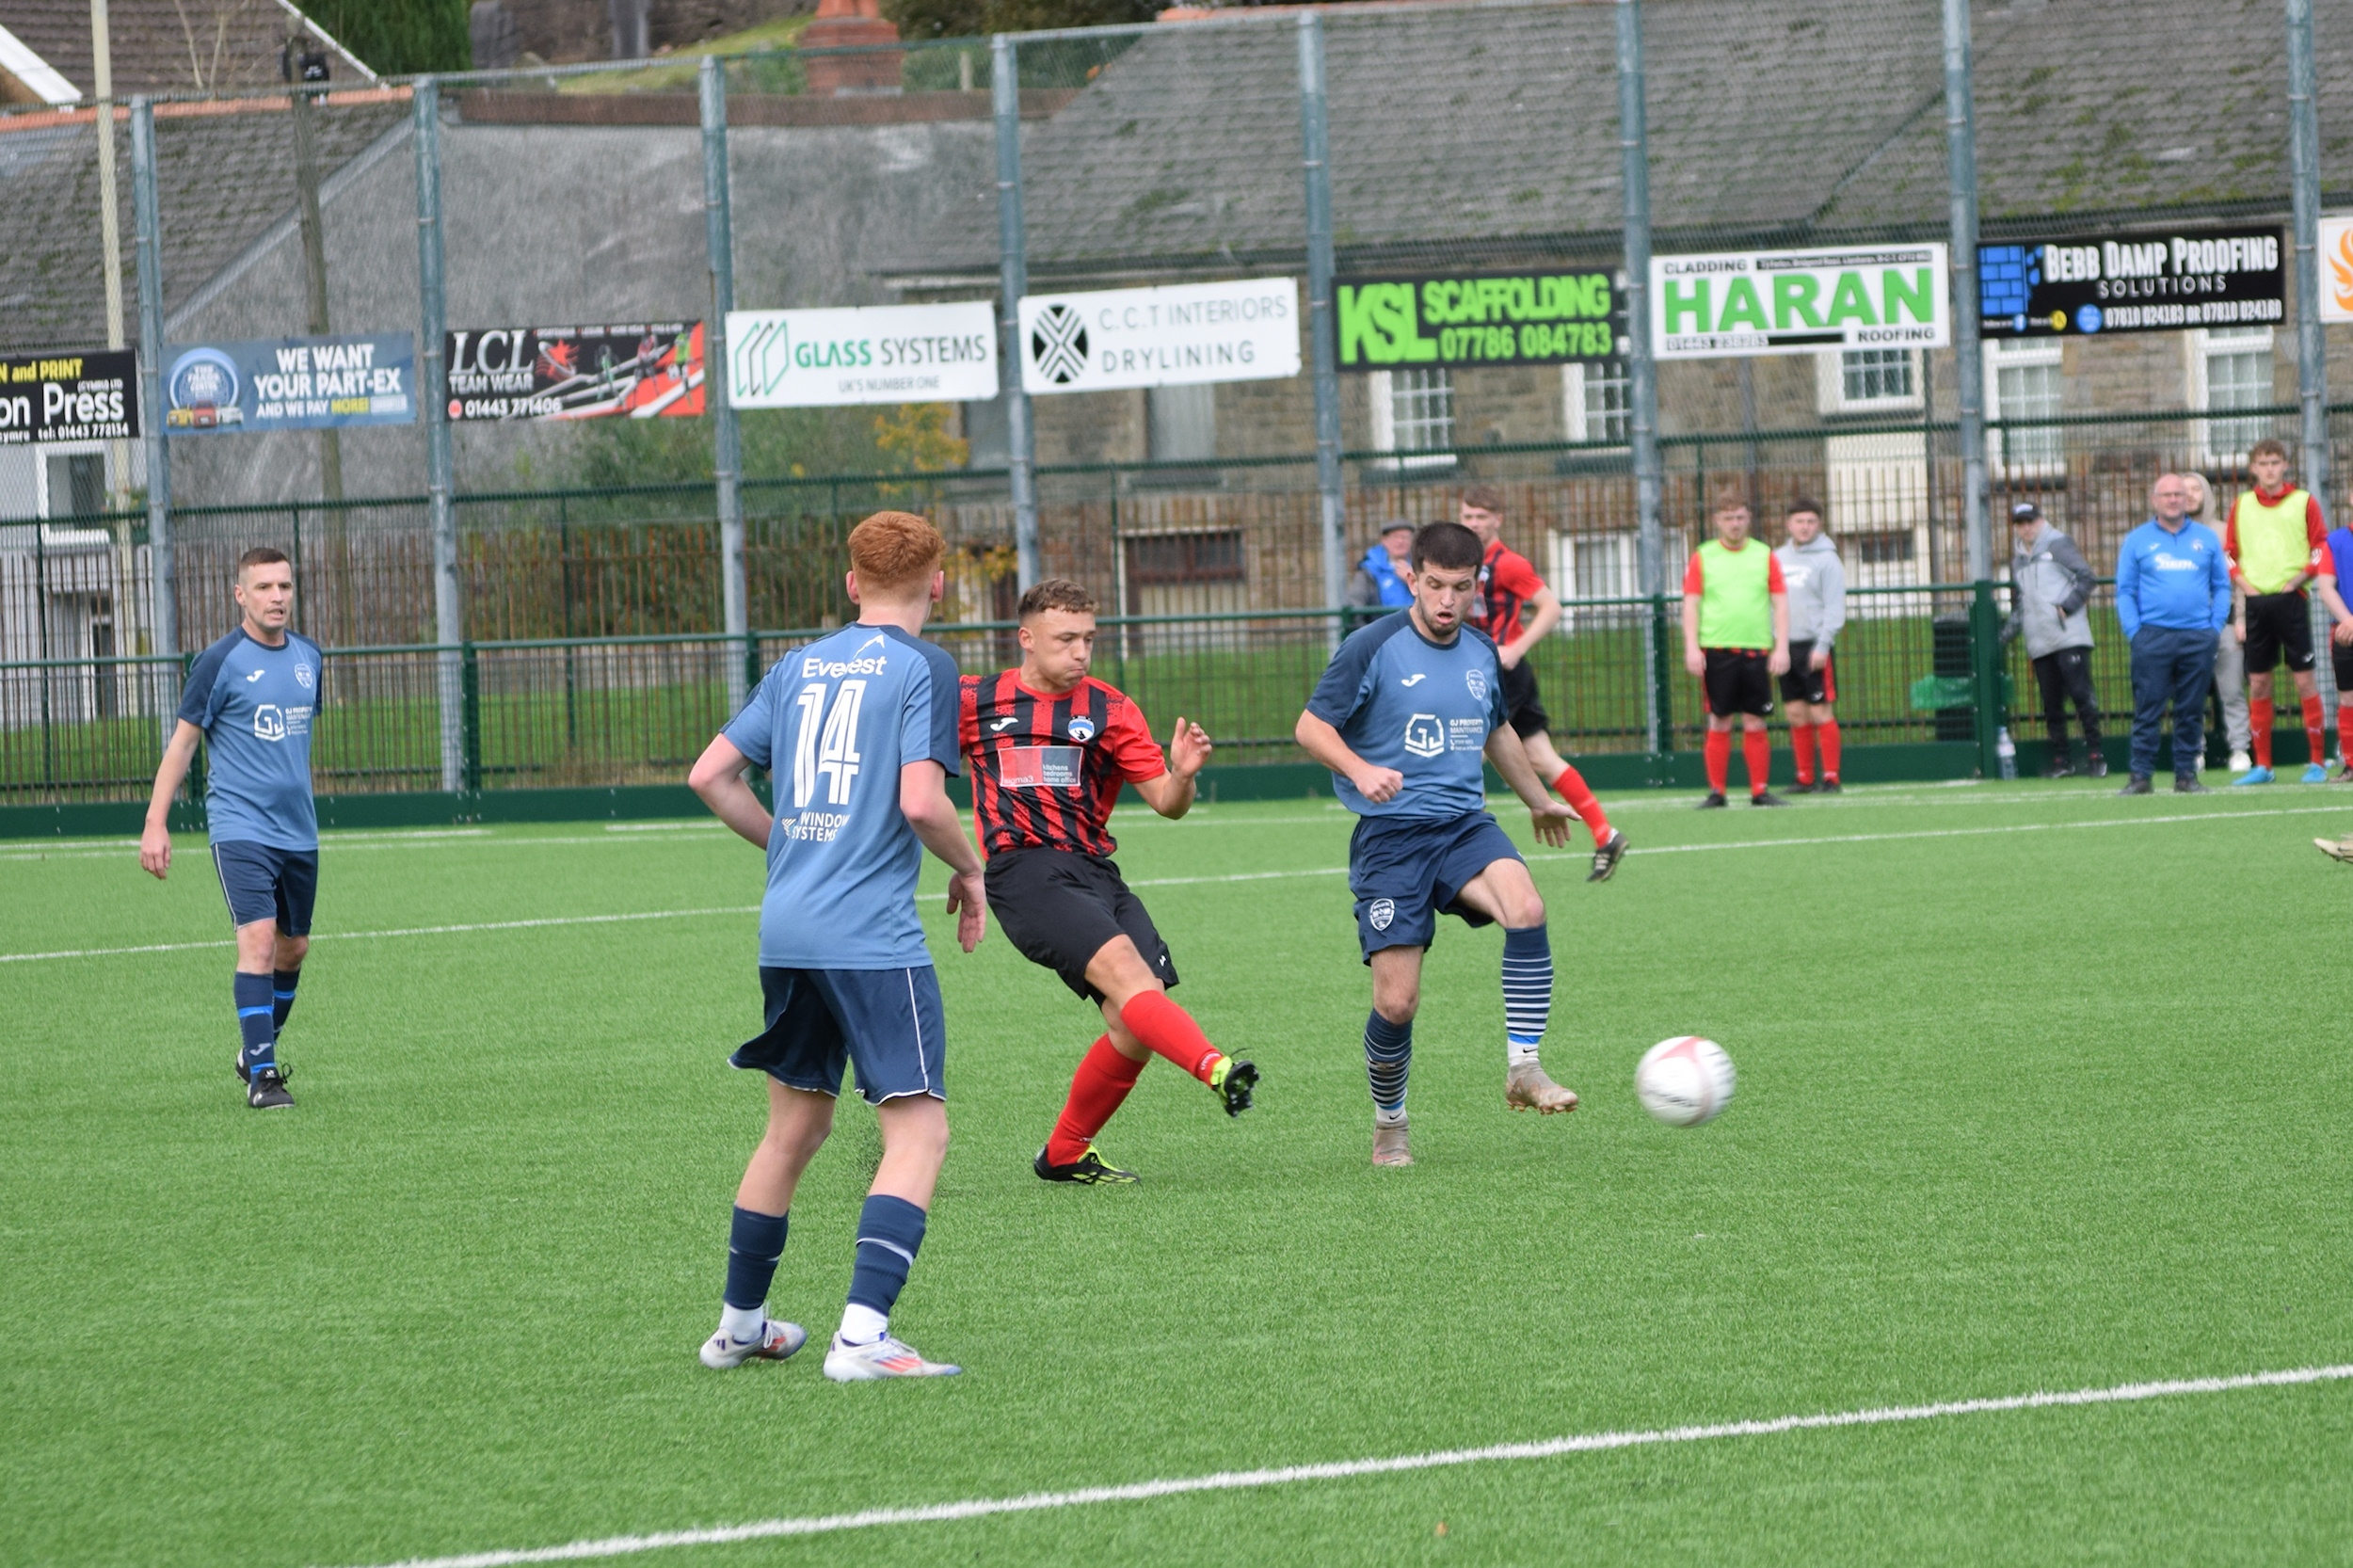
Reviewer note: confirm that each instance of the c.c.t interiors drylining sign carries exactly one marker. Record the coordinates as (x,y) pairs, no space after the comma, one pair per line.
(1743,303)
(869,353)
(1186,334)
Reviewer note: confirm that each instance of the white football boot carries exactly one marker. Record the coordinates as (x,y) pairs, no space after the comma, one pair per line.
(775,1342)
(887,1357)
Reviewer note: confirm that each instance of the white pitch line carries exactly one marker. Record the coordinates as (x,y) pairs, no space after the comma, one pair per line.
(406,931)
(1237,1480)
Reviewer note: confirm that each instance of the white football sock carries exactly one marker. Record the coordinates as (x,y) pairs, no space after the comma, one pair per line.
(1515,1053)
(863,1325)
(740,1324)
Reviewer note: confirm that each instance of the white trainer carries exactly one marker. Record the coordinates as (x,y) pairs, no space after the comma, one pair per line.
(887,1357)
(1392,1145)
(775,1341)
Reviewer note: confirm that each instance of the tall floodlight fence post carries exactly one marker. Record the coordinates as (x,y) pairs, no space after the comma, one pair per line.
(449,625)
(2312,362)
(1324,349)
(1642,382)
(164,616)
(718,390)
(1013,283)
(1960,166)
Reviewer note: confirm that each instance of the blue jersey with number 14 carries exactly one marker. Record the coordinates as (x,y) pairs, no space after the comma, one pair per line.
(833,722)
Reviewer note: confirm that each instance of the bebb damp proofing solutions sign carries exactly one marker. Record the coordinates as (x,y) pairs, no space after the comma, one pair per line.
(2163,282)
(867,353)
(639,370)
(1464,319)
(290,384)
(1182,335)
(1742,303)
(91,397)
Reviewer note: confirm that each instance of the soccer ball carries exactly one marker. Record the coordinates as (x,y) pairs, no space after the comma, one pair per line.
(1684,1081)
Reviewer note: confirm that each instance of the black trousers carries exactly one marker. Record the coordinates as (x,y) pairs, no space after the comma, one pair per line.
(2066,676)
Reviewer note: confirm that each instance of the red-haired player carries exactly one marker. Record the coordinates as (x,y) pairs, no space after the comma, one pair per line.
(1049,747)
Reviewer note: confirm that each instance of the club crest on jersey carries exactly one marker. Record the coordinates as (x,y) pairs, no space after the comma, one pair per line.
(302,675)
(1477,681)
(1425,736)
(1081,730)
(269,722)
(1380,914)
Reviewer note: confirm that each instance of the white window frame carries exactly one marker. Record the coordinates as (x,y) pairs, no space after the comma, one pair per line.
(1570,584)
(2202,345)
(1576,419)
(2018,354)
(1830,385)
(1383,391)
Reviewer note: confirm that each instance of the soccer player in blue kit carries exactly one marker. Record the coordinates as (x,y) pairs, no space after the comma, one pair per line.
(1403,715)
(250,697)
(858,730)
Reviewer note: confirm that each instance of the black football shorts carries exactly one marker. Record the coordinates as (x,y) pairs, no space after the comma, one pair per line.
(1059,907)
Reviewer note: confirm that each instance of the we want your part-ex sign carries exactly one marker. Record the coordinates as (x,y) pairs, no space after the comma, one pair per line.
(290,384)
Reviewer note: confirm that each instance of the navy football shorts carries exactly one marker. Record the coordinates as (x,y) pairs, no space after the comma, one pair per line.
(884,1023)
(1405,873)
(262,883)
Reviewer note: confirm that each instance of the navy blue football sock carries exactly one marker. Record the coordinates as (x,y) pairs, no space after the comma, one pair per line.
(889,1233)
(253,1021)
(1527,990)
(1389,1058)
(755,1241)
(283,986)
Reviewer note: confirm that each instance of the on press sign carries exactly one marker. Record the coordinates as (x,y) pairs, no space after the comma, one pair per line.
(1742,303)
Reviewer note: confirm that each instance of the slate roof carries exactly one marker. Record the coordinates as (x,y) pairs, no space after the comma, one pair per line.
(156,46)
(1489,133)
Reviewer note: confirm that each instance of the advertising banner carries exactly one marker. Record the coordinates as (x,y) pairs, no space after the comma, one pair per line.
(2336,267)
(1183,335)
(290,384)
(2145,283)
(1742,303)
(642,370)
(867,354)
(1459,319)
(69,398)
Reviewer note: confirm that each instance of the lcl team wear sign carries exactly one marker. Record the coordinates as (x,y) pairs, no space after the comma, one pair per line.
(92,396)
(290,384)
(2148,284)
(1519,318)
(868,354)
(641,370)
(1183,335)
(1742,303)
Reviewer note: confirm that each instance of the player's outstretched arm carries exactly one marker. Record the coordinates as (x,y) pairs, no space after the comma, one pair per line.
(923,801)
(1551,817)
(1542,615)
(1320,740)
(718,777)
(155,840)
(1171,793)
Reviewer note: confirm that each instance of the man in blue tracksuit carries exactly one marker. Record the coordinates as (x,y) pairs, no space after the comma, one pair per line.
(1379,579)
(2172,595)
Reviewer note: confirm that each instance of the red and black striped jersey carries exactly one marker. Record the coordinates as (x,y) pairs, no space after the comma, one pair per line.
(1046,770)
(1506,582)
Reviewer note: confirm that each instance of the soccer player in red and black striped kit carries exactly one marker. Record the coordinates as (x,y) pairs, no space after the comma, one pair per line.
(1508,587)
(1049,747)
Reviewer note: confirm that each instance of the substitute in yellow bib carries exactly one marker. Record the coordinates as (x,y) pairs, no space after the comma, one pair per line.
(1735,639)
(2274,541)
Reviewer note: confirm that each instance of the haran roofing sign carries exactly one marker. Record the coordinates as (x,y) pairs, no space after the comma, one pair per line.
(290,384)
(2148,283)
(641,370)
(872,353)
(69,398)
(2336,267)
(1521,318)
(1742,303)
(1182,335)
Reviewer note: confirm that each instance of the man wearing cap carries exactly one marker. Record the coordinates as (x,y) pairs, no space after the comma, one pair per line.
(1379,580)
(2172,595)
(2050,583)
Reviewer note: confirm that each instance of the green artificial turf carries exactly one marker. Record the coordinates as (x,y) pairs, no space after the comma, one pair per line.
(2031,1104)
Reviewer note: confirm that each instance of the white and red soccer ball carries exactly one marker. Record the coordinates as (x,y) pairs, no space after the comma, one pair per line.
(1684,1081)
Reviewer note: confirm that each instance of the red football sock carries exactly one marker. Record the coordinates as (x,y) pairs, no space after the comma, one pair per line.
(1826,733)
(2258,721)
(1569,786)
(1756,749)
(1096,1090)
(2315,728)
(1167,1029)
(1801,746)
(1718,755)
(2344,729)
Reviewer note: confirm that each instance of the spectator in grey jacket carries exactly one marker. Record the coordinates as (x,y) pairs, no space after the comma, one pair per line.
(2229,652)
(2050,583)
(1818,613)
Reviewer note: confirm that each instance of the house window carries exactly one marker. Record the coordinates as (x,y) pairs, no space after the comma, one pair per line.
(77,483)
(1162,560)
(1598,399)
(2231,369)
(1180,423)
(1883,552)
(1588,567)
(1413,415)
(2023,376)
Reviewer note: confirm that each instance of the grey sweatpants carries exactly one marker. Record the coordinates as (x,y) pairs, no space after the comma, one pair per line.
(2230,688)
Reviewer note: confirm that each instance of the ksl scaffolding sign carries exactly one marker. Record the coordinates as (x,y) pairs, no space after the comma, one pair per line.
(69,398)
(1463,319)
(1746,303)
